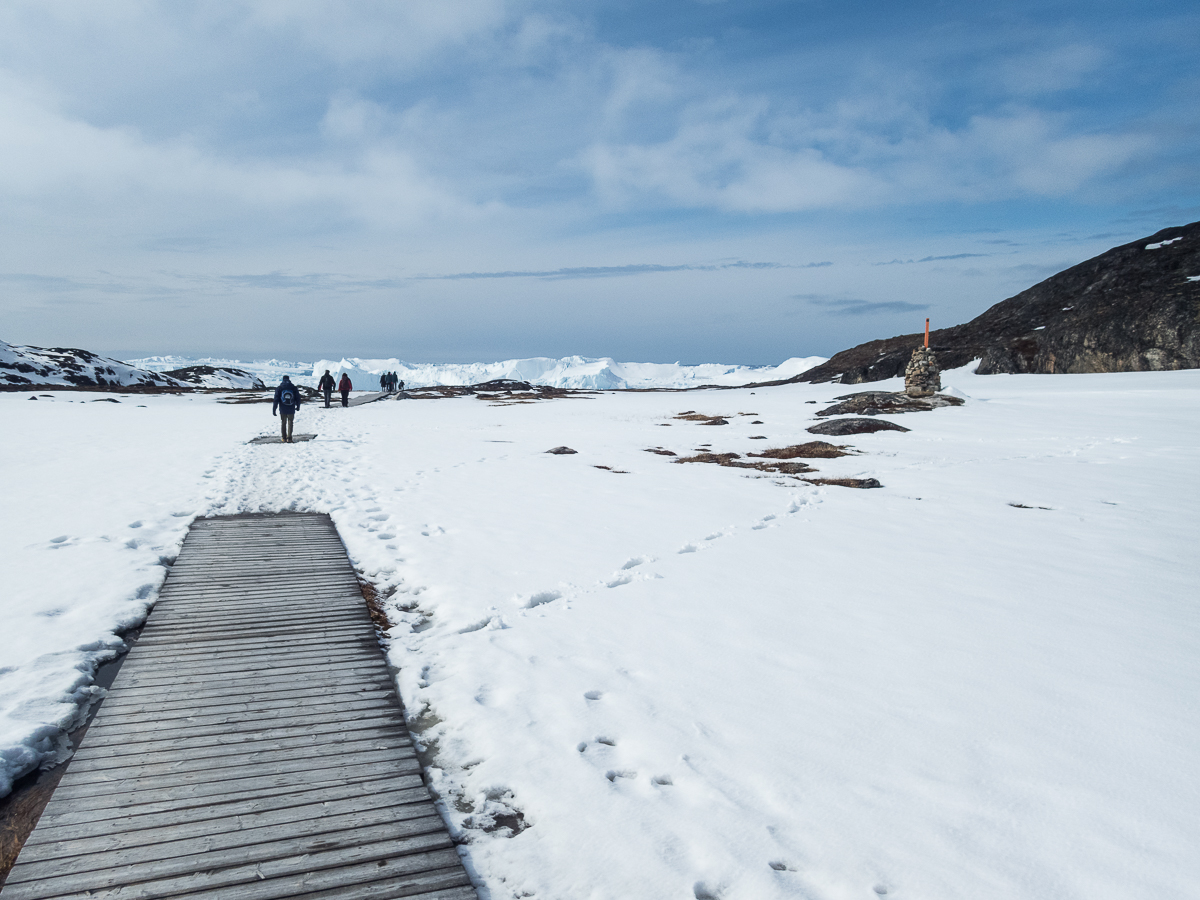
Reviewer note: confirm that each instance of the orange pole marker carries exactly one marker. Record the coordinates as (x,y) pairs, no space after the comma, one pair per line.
(926,334)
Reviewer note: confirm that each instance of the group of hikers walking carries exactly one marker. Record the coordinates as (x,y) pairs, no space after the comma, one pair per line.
(325,386)
(288,398)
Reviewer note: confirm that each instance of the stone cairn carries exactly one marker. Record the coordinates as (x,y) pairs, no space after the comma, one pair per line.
(922,377)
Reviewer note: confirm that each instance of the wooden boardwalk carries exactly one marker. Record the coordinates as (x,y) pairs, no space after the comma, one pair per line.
(252,746)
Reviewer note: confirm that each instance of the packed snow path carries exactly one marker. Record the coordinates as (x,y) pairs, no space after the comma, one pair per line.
(252,745)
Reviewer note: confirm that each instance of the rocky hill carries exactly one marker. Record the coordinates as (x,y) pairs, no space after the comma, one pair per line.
(221,377)
(1134,308)
(21,366)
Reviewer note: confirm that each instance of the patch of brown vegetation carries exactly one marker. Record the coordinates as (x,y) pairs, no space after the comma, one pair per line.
(811,450)
(661,452)
(846,482)
(374,601)
(611,469)
(730,460)
(692,416)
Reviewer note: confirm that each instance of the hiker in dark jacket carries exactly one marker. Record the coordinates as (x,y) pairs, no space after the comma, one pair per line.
(287,401)
(345,387)
(326,386)
(383,381)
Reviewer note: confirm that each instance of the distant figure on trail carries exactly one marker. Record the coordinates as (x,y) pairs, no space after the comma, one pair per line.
(326,386)
(399,387)
(345,387)
(383,381)
(287,401)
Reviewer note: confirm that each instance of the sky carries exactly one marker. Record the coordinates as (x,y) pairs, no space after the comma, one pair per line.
(472,180)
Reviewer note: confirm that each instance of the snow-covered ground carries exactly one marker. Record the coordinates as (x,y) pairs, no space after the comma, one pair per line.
(692,681)
(569,372)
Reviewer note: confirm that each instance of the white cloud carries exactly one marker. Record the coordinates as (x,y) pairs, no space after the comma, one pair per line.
(117,173)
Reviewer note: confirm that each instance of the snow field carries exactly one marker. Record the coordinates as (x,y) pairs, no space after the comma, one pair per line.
(694,681)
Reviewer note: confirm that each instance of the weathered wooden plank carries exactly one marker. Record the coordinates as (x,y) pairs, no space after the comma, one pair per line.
(222,743)
(168,655)
(74,823)
(185,795)
(310,629)
(229,830)
(333,683)
(293,724)
(411,855)
(340,711)
(317,667)
(96,871)
(136,778)
(422,888)
(168,761)
(191,713)
(307,623)
(258,665)
(196,757)
(329,657)
(172,613)
(240,846)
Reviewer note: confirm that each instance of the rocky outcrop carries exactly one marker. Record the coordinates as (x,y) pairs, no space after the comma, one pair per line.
(878,403)
(1135,308)
(842,427)
(66,366)
(218,377)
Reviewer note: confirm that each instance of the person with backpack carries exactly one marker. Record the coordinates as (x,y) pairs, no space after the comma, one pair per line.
(345,387)
(287,401)
(326,386)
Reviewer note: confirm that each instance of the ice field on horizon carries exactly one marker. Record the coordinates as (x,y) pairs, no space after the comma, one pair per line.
(579,372)
(693,681)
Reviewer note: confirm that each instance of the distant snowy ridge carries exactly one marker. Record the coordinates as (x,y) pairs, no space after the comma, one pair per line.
(20,365)
(578,372)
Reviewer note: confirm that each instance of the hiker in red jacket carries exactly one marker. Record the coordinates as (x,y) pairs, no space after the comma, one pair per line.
(345,387)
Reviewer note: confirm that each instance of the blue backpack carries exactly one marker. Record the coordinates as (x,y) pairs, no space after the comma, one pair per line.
(287,398)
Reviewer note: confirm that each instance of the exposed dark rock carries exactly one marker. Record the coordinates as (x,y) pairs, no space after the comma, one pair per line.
(840,427)
(1131,309)
(561,451)
(660,451)
(876,403)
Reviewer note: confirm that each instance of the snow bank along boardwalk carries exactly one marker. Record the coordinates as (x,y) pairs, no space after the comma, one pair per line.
(252,746)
